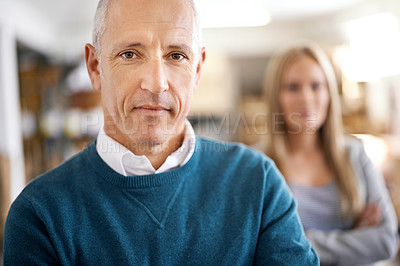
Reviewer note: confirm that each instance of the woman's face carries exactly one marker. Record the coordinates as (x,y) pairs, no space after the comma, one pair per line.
(304,96)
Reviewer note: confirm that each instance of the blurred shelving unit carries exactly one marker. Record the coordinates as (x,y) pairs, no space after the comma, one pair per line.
(55,111)
(38,81)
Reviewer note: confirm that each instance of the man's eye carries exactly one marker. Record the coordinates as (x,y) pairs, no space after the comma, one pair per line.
(128,55)
(177,56)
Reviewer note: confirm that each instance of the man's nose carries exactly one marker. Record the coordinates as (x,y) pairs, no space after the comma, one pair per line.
(154,78)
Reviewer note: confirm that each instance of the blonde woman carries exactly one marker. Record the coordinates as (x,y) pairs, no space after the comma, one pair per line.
(342,200)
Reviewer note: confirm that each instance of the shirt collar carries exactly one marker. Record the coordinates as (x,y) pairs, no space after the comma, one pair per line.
(126,163)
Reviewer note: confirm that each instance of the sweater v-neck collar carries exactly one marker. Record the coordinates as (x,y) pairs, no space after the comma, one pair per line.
(141,181)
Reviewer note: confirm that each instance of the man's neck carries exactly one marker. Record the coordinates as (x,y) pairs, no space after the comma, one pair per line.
(157,153)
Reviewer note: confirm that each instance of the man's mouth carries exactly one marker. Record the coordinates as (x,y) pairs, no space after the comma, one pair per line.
(151,109)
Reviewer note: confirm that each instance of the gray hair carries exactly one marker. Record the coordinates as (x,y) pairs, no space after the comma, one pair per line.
(100,23)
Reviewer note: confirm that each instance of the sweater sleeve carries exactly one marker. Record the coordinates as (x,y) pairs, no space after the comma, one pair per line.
(26,241)
(368,244)
(281,239)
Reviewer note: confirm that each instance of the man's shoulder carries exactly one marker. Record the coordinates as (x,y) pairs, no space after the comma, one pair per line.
(209,145)
(232,151)
(238,167)
(61,176)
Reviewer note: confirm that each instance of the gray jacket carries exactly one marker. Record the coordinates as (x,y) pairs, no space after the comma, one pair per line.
(366,245)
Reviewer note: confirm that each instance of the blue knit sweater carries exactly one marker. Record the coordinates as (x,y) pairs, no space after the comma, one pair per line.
(227,206)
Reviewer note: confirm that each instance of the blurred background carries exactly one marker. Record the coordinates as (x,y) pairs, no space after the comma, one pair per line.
(48,110)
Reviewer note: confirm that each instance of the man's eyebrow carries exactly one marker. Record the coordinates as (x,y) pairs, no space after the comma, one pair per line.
(183,47)
(126,46)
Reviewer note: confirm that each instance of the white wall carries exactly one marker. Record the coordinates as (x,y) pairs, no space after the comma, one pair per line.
(10,119)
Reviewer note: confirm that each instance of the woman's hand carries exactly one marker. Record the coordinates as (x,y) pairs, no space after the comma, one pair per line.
(371,216)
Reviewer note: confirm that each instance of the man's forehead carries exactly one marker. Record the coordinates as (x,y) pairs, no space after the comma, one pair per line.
(146,37)
(138,22)
(179,12)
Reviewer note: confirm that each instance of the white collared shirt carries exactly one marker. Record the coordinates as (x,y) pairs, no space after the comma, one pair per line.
(126,163)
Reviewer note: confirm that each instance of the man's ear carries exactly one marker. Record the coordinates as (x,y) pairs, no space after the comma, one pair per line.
(200,65)
(93,66)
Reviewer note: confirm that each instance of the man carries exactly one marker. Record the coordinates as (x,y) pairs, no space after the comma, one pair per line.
(147,191)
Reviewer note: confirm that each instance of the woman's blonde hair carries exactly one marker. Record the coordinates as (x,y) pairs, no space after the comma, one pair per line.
(331,135)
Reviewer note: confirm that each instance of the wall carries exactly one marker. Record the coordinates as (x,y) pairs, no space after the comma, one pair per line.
(10,138)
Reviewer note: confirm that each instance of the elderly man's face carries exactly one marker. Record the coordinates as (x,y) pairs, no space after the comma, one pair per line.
(151,65)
